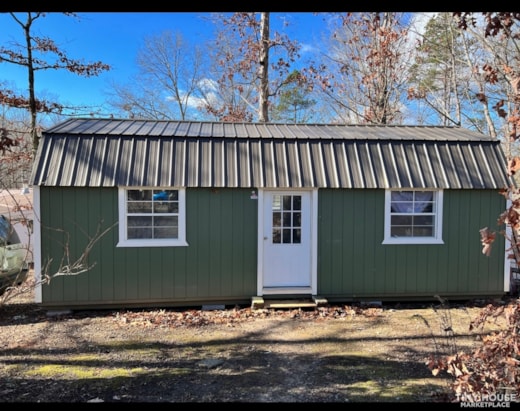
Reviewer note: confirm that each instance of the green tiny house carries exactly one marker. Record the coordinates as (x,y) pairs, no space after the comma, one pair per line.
(218,213)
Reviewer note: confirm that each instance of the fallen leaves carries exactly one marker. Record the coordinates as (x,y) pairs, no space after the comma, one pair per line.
(230,317)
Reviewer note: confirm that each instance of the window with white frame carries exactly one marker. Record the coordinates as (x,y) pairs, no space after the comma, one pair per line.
(413,217)
(151,217)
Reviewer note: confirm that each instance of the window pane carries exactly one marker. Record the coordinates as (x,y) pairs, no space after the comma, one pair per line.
(166,232)
(162,207)
(287,202)
(287,219)
(401,220)
(135,195)
(287,235)
(401,232)
(423,232)
(173,195)
(139,221)
(165,195)
(160,195)
(297,236)
(166,221)
(423,220)
(425,207)
(139,207)
(424,196)
(277,237)
(401,207)
(297,219)
(277,203)
(401,195)
(144,195)
(297,202)
(277,219)
(142,232)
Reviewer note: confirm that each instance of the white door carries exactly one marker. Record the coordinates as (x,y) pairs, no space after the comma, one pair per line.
(287,242)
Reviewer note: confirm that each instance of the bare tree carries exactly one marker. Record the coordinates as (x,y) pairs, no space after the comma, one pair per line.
(497,78)
(436,68)
(69,265)
(35,54)
(447,79)
(16,150)
(253,65)
(233,95)
(364,78)
(493,368)
(170,83)
(505,27)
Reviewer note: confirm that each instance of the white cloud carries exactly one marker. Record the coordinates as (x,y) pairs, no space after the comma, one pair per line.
(207,86)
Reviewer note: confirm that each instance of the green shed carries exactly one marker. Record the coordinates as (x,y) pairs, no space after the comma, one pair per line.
(207,213)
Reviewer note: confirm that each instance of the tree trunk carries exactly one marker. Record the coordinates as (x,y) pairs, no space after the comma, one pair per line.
(32,98)
(263,112)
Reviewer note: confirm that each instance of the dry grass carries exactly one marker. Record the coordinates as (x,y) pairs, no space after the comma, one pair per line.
(332,354)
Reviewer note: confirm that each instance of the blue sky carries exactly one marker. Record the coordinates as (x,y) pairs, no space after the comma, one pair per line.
(114,38)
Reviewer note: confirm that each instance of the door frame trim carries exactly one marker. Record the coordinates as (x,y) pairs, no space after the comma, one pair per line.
(313,289)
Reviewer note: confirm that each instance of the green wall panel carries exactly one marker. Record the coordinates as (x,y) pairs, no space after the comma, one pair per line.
(220,262)
(353,262)
(213,267)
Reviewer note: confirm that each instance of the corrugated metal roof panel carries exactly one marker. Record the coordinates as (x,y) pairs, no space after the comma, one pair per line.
(265,130)
(374,153)
(244,170)
(91,152)
(414,168)
(424,161)
(320,175)
(251,130)
(179,164)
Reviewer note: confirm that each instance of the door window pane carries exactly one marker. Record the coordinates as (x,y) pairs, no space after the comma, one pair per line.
(286,219)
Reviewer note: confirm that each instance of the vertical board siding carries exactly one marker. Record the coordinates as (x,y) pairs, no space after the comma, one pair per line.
(215,266)
(353,262)
(220,262)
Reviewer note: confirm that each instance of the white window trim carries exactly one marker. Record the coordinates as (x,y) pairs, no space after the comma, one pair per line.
(438,195)
(125,242)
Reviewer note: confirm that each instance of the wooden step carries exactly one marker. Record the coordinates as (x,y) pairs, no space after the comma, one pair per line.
(289,304)
(259,302)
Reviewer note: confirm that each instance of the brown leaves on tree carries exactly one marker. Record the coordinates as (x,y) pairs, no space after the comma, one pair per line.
(511,216)
(513,165)
(490,74)
(500,24)
(40,53)
(498,107)
(496,22)
(487,238)
(491,368)
(45,55)
(244,52)
(10,99)
(6,143)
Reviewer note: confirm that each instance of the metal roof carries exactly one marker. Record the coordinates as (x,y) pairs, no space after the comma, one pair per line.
(110,152)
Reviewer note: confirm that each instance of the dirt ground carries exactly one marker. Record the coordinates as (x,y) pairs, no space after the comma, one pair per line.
(341,353)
